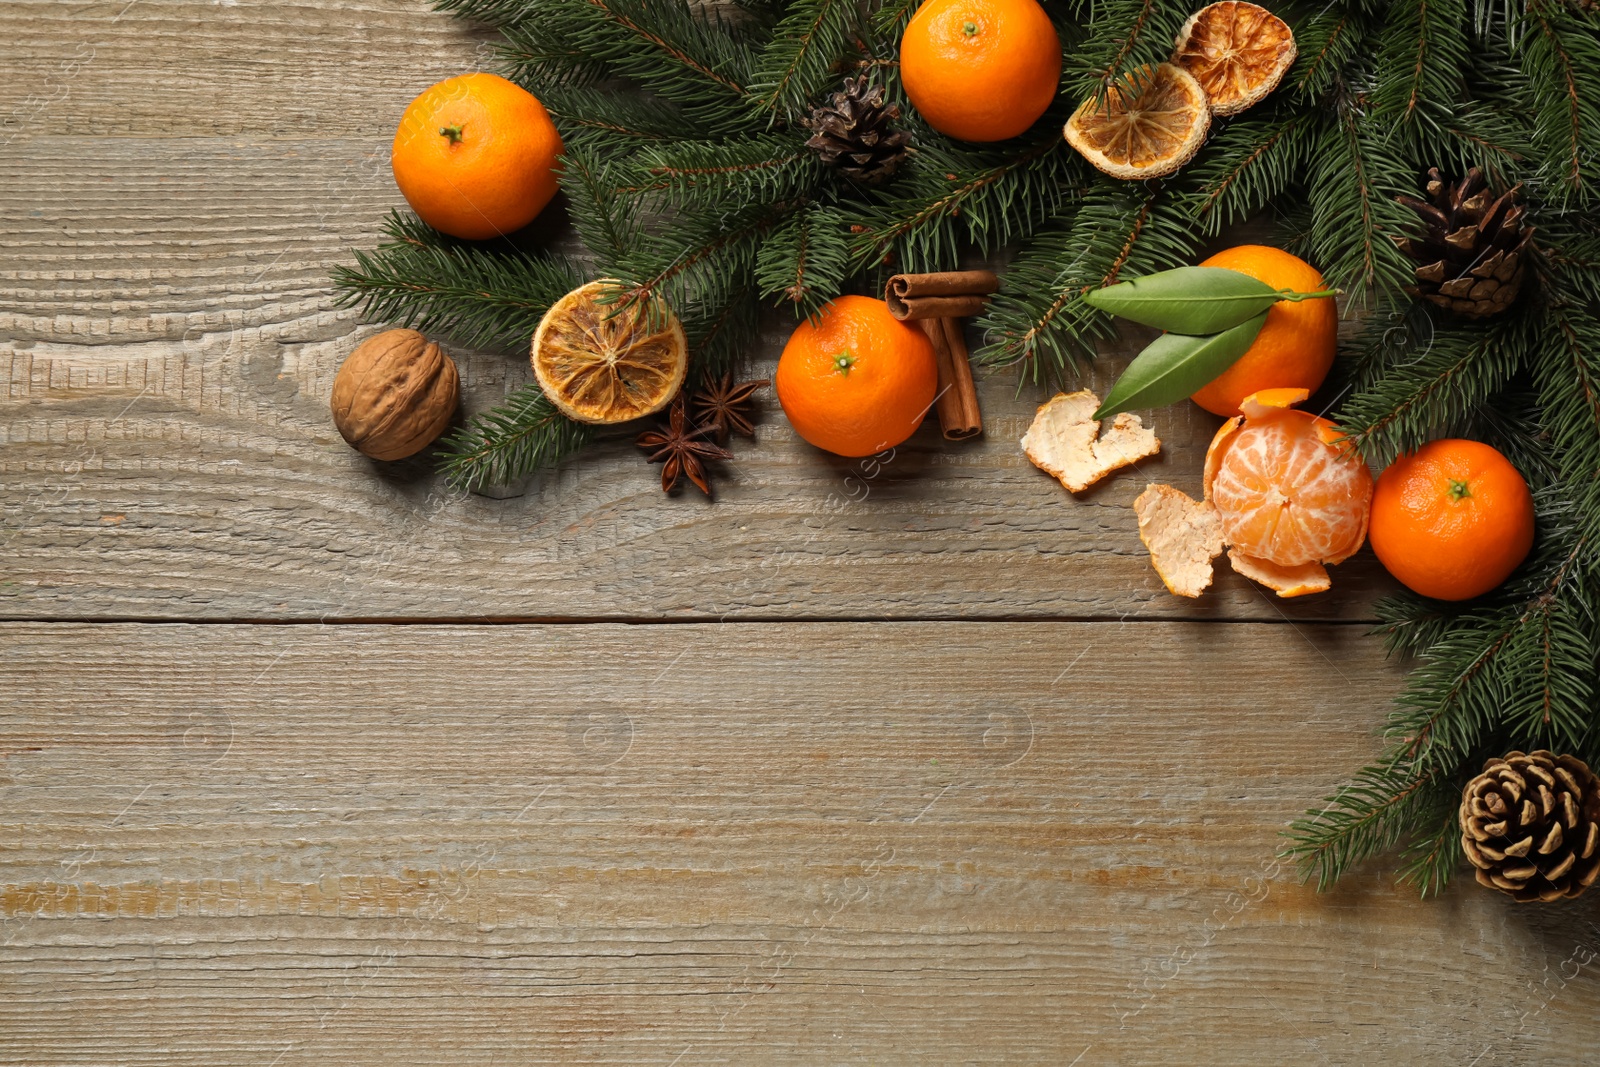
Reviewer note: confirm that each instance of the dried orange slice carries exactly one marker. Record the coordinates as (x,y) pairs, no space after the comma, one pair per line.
(1239,53)
(1147,126)
(600,360)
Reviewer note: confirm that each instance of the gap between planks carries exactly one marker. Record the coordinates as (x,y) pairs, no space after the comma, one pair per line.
(639,620)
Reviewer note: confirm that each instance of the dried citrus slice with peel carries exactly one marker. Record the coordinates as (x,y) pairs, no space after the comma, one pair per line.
(1239,53)
(600,359)
(1146,126)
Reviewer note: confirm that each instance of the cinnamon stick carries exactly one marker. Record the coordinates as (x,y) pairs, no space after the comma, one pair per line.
(947,294)
(957,400)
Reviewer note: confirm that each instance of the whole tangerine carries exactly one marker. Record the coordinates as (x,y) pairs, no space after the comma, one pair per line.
(855,380)
(1452,520)
(475,156)
(1295,347)
(980,70)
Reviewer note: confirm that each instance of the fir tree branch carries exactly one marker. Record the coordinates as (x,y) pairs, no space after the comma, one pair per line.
(1123,38)
(608,224)
(1328,42)
(692,59)
(1354,180)
(1428,384)
(889,21)
(1039,315)
(510,442)
(943,192)
(767,168)
(1252,161)
(805,262)
(1368,816)
(1559,54)
(1422,52)
(611,122)
(1507,664)
(1567,375)
(720,334)
(703,259)
(478,297)
(800,59)
(703,53)
(1431,858)
(559,49)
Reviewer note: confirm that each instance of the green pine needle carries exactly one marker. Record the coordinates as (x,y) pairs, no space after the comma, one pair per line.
(480,294)
(510,442)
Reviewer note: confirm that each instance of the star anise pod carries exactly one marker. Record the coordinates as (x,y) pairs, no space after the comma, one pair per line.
(727,407)
(683,448)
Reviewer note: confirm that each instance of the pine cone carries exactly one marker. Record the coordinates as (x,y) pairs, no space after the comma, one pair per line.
(1470,257)
(1530,824)
(853,133)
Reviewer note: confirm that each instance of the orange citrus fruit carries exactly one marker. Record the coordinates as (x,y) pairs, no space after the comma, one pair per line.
(1452,520)
(475,156)
(980,70)
(1294,349)
(855,380)
(601,361)
(1238,51)
(1288,490)
(1146,126)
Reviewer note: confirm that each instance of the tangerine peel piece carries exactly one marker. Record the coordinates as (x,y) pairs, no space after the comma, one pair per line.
(1068,442)
(1285,581)
(1183,536)
(1261,404)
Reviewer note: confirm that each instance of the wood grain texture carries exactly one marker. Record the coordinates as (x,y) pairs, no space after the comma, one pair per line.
(168,339)
(797,843)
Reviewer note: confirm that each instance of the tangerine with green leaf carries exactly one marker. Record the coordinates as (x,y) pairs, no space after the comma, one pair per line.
(1295,347)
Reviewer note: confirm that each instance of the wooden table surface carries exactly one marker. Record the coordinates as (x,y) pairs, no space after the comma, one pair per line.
(307,759)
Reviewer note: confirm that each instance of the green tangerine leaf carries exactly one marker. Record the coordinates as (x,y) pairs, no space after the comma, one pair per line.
(1192,300)
(1174,365)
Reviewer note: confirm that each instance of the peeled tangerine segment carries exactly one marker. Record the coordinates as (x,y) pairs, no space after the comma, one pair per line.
(1068,442)
(1146,126)
(1285,581)
(1183,537)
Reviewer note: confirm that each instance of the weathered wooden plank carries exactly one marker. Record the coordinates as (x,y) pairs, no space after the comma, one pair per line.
(181,68)
(810,843)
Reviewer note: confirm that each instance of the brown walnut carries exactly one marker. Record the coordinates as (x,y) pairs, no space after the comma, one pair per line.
(395,395)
